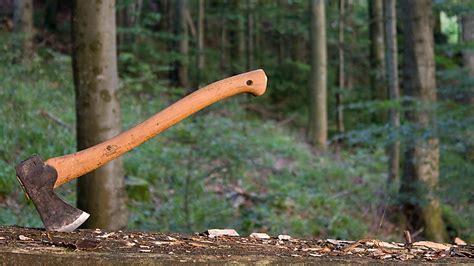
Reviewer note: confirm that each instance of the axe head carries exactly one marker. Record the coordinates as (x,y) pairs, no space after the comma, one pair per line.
(37,180)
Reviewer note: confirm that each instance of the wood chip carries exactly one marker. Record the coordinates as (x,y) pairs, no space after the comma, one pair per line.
(106,235)
(383,244)
(432,245)
(458,241)
(260,236)
(144,250)
(221,232)
(24,238)
(284,237)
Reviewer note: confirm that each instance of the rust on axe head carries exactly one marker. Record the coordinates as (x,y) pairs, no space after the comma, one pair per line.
(37,180)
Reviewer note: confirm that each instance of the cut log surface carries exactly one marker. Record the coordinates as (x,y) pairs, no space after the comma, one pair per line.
(25,246)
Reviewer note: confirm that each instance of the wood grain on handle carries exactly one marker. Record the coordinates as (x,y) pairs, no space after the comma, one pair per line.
(74,165)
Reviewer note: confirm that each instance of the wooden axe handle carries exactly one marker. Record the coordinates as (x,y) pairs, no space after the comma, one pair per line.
(74,165)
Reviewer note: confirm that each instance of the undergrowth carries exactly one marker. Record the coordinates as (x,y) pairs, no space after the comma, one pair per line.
(224,167)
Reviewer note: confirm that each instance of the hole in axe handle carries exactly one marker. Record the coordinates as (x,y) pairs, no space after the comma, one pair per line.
(249,82)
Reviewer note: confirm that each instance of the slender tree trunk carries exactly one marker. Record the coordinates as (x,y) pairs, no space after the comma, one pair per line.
(420,177)
(393,86)
(250,34)
(23,25)
(128,17)
(317,126)
(224,56)
(200,44)
(377,56)
(349,21)
(340,71)
(180,71)
(468,54)
(102,192)
(50,16)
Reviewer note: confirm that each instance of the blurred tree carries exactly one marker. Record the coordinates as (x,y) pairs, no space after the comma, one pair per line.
(224,43)
(393,86)
(340,71)
(180,70)
(51,14)
(377,55)
(102,192)
(250,43)
(128,16)
(421,204)
(23,25)
(200,43)
(317,127)
(468,53)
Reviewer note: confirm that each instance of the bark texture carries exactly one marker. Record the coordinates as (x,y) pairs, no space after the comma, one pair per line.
(102,192)
(23,25)
(421,203)
(468,54)
(393,86)
(317,127)
(377,55)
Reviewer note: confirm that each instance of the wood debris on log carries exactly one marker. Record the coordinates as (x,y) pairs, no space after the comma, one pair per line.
(89,245)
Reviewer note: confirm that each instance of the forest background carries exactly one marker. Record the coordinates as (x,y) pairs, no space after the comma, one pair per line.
(276,163)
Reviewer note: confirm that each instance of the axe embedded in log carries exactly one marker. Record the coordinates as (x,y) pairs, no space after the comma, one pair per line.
(39,178)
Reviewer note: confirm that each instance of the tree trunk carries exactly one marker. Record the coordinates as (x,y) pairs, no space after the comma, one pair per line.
(200,44)
(418,190)
(180,71)
(128,17)
(317,126)
(23,25)
(102,192)
(377,56)
(50,16)
(224,56)
(393,86)
(468,53)
(250,34)
(340,71)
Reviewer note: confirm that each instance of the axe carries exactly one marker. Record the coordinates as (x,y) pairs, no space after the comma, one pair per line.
(38,178)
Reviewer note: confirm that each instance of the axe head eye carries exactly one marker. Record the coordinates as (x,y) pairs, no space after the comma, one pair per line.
(37,180)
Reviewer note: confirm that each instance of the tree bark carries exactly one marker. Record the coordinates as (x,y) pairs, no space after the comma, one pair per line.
(393,86)
(468,53)
(340,71)
(317,126)
(377,56)
(23,25)
(421,204)
(200,44)
(180,72)
(102,192)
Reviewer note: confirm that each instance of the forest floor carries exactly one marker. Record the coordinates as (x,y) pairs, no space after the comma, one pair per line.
(19,245)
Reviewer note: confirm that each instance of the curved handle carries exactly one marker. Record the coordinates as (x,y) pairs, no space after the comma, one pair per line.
(74,165)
